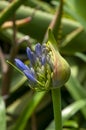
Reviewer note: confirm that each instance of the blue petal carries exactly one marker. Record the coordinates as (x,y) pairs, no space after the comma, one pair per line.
(30,55)
(38,49)
(43,60)
(21,65)
(29,76)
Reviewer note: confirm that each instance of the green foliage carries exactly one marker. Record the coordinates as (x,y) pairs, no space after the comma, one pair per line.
(24,108)
(2,115)
(68,112)
(77,10)
(21,123)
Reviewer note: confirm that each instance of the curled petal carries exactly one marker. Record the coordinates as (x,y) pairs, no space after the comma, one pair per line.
(21,65)
(29,76)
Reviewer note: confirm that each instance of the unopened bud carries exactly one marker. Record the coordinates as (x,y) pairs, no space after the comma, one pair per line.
(61,69)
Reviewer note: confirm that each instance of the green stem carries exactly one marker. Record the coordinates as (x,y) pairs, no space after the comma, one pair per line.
(56,97)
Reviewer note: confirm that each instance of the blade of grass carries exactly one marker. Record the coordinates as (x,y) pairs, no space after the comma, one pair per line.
(76,90)
(68,112)
(2,115)
(26,114)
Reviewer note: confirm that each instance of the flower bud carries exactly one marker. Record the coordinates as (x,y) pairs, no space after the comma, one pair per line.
(61,69)
(47,69)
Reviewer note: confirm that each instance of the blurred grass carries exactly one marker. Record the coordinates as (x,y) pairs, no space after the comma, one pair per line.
(2,115)
(21,103)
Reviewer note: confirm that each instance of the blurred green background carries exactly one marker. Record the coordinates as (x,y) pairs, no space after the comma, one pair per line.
(24,23)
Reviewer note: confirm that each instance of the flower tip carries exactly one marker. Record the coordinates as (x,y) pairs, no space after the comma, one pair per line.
(28,50)
(38,49)
(20,64)
(17,62)
(31,56)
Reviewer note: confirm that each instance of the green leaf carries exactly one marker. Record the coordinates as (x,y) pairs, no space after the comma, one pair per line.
(68,112)
(71,123)
(17,82)
(43,5)
(81,56)
(78,11)
(26,114)
(2,115)
(10,10)
(71,36)
(45,18)
(72,109)
(76,90)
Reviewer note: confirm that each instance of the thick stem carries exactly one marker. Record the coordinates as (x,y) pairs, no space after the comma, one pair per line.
(56,98)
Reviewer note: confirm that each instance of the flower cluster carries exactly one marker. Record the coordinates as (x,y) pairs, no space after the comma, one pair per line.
(46,70)
(39,71)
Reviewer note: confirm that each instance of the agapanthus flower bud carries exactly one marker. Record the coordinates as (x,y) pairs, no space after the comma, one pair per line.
(38,50)
(61,69)
(21,65)
(47,69)
(30,56)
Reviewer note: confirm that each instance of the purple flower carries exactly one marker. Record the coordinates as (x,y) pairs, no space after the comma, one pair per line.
(38,61)
(41,53)
(21,65)
(37,71)
(29,76)
(47,67)
(38,49)
(31,56)
(43,59)
(29,72)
